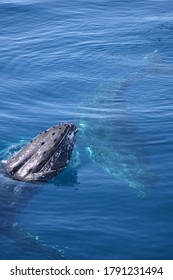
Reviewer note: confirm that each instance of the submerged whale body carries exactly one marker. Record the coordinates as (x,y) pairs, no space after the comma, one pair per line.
(45,156)
(41,159)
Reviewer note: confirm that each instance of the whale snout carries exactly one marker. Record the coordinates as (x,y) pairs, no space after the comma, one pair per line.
(44,156)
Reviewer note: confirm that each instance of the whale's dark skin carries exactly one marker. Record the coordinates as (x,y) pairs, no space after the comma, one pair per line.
(42,158)
(45,156)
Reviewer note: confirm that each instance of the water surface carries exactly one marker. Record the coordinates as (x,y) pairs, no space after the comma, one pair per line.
(58,61)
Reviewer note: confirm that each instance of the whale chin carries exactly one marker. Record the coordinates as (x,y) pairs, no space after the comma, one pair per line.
(44,156)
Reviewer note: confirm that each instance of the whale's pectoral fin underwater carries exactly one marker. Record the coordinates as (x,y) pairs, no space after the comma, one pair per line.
(14,197)
(41,159)
(32,243)
(108,132)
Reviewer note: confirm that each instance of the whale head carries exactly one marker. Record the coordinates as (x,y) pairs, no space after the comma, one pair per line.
(44,156)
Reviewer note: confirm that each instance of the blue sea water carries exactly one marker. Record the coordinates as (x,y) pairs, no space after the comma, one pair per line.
(55,55)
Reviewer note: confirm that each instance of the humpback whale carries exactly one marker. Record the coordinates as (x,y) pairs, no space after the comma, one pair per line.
(110,140)
(21,175)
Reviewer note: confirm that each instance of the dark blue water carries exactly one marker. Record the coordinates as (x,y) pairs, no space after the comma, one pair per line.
(108,64)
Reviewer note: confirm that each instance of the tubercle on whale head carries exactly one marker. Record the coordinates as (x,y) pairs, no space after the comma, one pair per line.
(44,156)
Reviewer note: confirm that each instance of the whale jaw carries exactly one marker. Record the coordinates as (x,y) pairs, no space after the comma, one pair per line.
(44,156)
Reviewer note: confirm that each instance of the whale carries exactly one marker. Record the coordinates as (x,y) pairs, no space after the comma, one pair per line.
(108,134)
(21,177)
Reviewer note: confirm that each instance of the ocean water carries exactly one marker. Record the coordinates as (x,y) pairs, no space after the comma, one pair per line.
(106,66)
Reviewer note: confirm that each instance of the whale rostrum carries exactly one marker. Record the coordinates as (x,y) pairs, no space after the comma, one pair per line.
(44,156)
